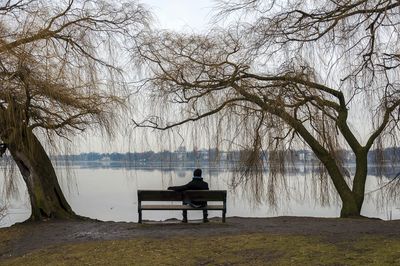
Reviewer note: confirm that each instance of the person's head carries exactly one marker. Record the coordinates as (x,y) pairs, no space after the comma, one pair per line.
(197,173)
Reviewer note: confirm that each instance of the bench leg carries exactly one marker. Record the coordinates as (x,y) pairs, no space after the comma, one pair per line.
(184,216)
(223,216)
(140,217)
(205,216)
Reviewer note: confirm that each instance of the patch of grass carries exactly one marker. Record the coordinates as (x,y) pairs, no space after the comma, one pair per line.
(249,249)
(380,251)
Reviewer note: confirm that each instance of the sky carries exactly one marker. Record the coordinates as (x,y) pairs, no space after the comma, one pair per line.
(181,15)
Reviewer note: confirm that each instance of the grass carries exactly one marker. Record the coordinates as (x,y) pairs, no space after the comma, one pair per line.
(248,249)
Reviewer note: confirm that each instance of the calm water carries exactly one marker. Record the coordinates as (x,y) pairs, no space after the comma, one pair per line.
(109,194)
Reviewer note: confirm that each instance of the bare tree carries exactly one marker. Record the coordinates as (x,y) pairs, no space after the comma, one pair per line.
(59,77)
(324,74)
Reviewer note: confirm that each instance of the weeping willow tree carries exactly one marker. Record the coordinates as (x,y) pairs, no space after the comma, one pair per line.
(324,74)
(58,78)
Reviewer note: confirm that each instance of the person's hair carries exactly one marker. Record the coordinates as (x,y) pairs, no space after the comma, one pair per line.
(197,172)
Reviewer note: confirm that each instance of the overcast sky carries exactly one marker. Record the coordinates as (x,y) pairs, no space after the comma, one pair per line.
(181,15)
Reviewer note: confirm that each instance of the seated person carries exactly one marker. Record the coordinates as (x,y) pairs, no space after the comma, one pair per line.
(197,183)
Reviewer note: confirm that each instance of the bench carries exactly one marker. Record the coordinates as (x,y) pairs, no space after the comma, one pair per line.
(170,195)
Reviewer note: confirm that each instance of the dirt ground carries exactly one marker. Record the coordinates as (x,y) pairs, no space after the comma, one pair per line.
(35,236)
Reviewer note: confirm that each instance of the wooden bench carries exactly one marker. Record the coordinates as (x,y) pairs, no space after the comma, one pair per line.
(192,195)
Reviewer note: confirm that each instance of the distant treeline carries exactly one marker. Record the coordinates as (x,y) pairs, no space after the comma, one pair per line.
(389,155)
(151,156)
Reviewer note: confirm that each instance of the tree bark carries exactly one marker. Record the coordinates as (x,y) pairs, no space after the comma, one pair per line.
(351,205)
(46,197)
(350,208)
(360,177)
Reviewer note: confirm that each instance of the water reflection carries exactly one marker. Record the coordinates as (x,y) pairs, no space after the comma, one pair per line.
(108,192)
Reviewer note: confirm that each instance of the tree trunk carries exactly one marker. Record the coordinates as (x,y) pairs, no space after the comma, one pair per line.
(350,208)
(360,177)
(351,202)
(46,197)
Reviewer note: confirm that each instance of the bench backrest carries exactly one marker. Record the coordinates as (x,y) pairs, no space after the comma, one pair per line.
(169,195)
(205,195)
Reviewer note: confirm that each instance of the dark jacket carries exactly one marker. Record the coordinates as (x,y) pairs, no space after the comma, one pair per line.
(195,184)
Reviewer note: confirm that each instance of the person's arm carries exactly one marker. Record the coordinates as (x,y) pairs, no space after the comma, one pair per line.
(180,188)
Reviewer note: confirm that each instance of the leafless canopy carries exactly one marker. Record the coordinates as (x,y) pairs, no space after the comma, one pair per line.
(58,70)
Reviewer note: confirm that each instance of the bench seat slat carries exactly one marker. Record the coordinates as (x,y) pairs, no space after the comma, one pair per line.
(180,207)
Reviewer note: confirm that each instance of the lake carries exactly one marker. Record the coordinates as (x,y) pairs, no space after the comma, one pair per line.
(108,192)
